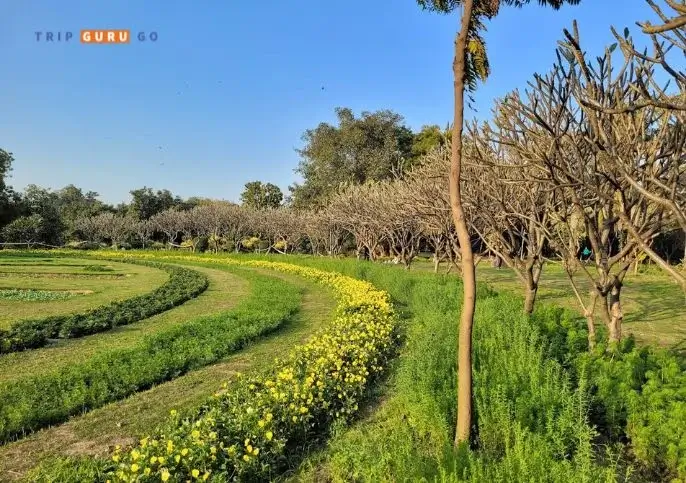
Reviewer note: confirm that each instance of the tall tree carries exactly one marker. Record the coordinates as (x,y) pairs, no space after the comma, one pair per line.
(372,147)
(73,204)
(469,65)
(146,203)
(428,138)
(260,195)
(5,166)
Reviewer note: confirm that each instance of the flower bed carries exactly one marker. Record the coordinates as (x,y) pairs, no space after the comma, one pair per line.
(247,430)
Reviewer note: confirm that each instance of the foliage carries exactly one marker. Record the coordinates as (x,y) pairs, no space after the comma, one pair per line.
(246,431)
(28,295)
(33,402)
(371,147)
(6,160)
(640,393)
(183,284)
(146,203)
(260,195)
(26,229)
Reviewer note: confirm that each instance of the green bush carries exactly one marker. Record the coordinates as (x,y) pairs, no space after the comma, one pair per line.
(34,402)
(183,284)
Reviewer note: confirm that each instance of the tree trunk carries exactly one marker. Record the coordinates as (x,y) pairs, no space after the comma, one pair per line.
(590,320)
(616,315)
(531,290)
(464,348)
(437,262)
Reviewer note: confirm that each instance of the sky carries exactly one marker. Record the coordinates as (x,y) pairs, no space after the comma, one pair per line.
(224,94)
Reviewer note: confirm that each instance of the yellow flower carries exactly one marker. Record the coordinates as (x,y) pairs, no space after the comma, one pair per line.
(184,452)
(134,467)
(269,435)
(147,471)
(115,458)
(195,434)
(195,473)
(153,460)
(164,476)
(246,457)
(206,476)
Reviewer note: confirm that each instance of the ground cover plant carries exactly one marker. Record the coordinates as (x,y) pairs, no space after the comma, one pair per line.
(640,382)
(31,402)
(321,381)
(182,285)
(29,295)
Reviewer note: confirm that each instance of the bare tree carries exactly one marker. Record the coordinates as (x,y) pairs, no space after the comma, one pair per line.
(512,208)
(144,229)
(170,223)
(626,103)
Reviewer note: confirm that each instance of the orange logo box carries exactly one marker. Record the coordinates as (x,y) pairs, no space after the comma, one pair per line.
(105,37)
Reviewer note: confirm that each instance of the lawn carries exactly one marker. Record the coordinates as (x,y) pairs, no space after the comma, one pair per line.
(126,281)
(225,290)
(654,306)
(121,422)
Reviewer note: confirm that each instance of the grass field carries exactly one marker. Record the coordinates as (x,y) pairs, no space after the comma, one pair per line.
(122,422)
(654,306)
(542,401)
(125,281)
(66,352)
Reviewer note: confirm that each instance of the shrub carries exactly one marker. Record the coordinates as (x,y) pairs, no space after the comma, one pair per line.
(183,284)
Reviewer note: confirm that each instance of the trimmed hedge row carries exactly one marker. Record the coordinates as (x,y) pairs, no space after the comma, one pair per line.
(247,431)
(35,402)
(183,284)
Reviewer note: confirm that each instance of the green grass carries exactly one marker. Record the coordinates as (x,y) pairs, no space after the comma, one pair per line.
(138,279)
(32,402)
(224,291)
(124,421)
(653,305)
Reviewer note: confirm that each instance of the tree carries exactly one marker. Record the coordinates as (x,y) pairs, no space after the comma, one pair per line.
(6,160)
(146,203)
(261,196)
(429,138)
(470,64)
(43,202)
(372,147)
(25,229)
(169,223)
(73,204)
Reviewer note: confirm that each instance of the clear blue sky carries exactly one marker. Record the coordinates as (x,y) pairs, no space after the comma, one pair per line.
(250,76)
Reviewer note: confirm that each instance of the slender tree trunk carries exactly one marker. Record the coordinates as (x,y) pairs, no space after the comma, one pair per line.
(531,290)
(590,320)
(437,262)
(616,316)
(464,348)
